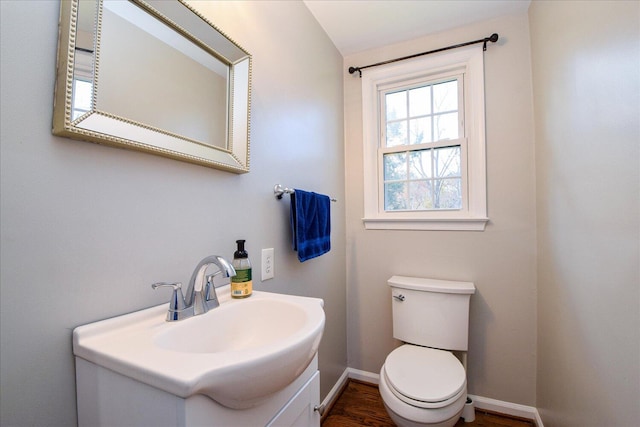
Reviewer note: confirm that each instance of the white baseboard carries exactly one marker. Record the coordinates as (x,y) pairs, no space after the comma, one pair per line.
(365,376)
(500,406)
(348,373)
(334,393)
(507,408)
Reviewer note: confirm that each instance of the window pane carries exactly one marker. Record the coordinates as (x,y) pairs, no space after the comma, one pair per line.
(420,164)
(396,134)
(420,130)
(445,97)
(419,101)
(447,161)
(420,195)
(395,166)
(395,196)
(448,193)
(445,126)
(396,105)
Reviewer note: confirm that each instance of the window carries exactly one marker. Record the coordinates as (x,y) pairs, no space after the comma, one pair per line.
(82,97)
(424,152)
(82,93)
(421,146)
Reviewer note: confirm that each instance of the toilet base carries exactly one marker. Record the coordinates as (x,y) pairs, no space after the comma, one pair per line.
(403,422)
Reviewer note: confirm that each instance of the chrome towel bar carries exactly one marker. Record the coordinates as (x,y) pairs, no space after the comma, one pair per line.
(279,191)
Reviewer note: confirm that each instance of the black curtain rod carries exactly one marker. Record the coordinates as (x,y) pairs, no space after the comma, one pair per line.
(493,38)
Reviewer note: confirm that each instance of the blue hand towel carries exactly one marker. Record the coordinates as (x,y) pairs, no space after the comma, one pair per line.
(310,223)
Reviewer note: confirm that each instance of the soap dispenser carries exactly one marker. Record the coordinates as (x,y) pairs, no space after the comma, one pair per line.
(241,283)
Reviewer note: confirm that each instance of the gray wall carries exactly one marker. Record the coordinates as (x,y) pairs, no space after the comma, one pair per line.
(86,229)
(500,260)
(586,75)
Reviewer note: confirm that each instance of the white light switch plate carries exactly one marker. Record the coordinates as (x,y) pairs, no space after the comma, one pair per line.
(268,264)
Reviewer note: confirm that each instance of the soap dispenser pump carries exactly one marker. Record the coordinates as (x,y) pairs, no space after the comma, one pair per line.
(241,283)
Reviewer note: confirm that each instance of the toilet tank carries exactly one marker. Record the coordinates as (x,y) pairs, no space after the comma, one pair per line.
(430,312)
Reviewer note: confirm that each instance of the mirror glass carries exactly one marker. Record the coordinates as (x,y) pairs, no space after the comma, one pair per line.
(156,76)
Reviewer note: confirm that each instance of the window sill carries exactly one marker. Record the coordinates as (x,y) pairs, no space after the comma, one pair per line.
(451,224)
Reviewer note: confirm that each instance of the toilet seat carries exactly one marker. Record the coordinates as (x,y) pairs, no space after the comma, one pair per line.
(424,377)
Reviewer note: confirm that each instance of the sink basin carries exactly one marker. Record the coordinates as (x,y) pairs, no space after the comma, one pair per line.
(237,354)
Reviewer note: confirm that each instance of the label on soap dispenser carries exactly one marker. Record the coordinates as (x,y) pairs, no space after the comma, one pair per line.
(241,284)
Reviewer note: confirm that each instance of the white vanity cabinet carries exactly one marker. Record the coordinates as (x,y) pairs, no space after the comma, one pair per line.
(106,398)
(299,410)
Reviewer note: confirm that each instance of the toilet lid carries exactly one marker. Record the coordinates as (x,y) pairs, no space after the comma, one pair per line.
(425,374)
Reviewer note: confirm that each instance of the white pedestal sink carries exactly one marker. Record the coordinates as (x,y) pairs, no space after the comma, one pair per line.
(248,357)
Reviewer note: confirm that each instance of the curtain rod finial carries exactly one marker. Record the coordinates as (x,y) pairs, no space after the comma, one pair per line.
(354,69)
(493,38)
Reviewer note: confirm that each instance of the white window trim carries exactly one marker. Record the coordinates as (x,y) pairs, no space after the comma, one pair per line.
(471,60)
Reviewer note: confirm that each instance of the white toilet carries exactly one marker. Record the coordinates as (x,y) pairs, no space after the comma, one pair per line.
(421,382)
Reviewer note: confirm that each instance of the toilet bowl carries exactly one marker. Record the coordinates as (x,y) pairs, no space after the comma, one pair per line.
(421,382)
(421,386)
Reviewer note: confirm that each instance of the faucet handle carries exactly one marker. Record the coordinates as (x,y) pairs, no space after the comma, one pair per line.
(177,299)
(210,296)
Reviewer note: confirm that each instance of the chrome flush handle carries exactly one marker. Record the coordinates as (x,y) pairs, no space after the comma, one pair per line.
(399,297)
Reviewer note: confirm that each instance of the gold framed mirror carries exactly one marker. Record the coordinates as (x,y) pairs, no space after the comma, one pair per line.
(153,76)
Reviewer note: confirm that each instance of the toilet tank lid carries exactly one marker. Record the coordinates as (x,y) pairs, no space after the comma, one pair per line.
(432,285)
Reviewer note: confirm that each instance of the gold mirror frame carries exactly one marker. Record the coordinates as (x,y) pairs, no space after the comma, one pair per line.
(105,127)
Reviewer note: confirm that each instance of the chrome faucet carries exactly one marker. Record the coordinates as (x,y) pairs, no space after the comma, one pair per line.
(197,301)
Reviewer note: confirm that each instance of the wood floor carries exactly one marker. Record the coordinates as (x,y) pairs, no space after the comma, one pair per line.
(360,404)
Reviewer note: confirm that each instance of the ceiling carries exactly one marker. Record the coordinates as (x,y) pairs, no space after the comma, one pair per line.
(358,25)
